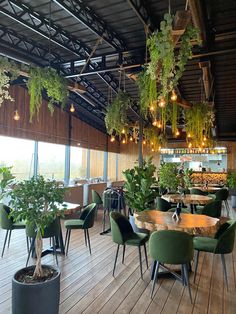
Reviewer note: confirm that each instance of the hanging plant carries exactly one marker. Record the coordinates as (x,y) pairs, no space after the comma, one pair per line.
(9,70)
(154,138)
(199,120)
(116,115)
(49,80)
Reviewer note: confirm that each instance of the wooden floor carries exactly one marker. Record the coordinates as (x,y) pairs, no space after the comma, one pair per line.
(87,285)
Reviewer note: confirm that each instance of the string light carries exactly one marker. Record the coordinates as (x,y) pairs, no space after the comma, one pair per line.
(112,139)
(123,131)
(16,116)
(159,125)
(204,138)
(173,95)
(162,103)
(72,108)
(152,149)
(203,144)
(154,123)
(123,141)
(189,135)
(144,142)
(177,133)
(189,145)
(152,108)
(131,139)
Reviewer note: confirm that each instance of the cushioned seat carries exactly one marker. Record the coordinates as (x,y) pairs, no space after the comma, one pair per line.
(205,244)
(136,239)
(74,223)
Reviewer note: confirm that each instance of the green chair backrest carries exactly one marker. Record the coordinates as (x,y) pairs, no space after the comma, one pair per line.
(225,236)
(171,247)
(162,204)
(222,195)
(120,227)
(5,221)
(51,231)
(197,192)
(213,209)
(88,215)
(96,198)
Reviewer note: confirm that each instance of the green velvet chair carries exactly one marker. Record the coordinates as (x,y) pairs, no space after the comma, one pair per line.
(212,209)
(171,247)
(123,234)
(7,224)
(222,243)
(52,232)
(85,222)
(162,205)
(222,195)
(96,198)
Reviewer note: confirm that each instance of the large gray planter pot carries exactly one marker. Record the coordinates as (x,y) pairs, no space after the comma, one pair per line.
(37,298)
(233,201)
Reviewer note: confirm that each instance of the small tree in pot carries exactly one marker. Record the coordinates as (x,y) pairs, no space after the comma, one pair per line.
(168,177)
(38,202)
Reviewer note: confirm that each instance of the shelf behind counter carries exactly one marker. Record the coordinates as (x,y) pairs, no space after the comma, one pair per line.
(209,177)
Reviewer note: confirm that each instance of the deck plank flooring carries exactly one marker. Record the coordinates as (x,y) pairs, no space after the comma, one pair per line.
(87,284)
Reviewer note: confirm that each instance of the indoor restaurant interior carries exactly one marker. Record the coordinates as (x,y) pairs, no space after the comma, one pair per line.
(118,156)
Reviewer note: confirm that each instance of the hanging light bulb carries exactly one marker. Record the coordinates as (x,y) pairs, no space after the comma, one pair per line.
(112,138)
(144,142)
(123,131)
(123,141)
(16,115)
(189,135)
(151,108)
(152,149)
(131,139)
(200,149)
(72,108)
(159,125)
(203,144)
(204,138)
(189,145)
(177,133)
(173,95)
(154,123)
(152,143)
(162,103)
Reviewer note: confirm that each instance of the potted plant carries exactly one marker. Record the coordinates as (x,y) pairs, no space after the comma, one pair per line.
(139,194)
(38,202)
(168,177)
(231,182)
(6,179)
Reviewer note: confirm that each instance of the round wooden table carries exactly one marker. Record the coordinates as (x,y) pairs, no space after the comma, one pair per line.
(154,220)
(187,199)
(207,189)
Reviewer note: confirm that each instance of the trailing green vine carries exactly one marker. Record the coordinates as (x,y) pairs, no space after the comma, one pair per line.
(154,138)
(116,115)
(49,80)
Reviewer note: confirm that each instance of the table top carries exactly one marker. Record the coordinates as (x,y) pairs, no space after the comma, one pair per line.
(207,188)
(187,199)
(154,220)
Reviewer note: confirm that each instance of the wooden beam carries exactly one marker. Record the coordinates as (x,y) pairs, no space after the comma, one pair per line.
(181,21)
(207,77)
(197,17)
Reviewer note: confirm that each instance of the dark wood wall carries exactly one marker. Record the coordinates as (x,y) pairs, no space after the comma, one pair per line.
(49,128)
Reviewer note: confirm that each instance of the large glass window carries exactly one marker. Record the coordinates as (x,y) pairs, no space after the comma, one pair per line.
(19,154)
(51,159)
(111,172)
(78,162)
(96,163)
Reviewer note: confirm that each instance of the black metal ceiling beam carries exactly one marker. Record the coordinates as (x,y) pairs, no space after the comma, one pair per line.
(88,18)
(141,10)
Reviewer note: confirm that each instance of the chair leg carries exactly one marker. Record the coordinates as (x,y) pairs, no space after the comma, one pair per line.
(9,239)
(196,264)
(5,241)
(187,281)
(54,248)
(156,265)
(140,261)
(117,252)
(30,250)
(85,238)
(224,270)
(27,243)
(123,256)
(183,276)
(145,252)
(89,245)
(227,207)
(67,231)
(104,219)
(68,241)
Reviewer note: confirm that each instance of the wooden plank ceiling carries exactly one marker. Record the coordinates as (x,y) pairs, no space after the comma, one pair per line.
(75,26)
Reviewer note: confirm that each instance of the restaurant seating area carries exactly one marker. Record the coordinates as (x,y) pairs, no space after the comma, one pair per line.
(118,156)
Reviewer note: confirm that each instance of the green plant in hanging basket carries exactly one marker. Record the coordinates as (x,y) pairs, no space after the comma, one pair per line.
(116,115)
(49,80)
(9,70)
(154,138)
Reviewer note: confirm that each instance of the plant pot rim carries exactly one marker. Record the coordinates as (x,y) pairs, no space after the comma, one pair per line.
(36,283)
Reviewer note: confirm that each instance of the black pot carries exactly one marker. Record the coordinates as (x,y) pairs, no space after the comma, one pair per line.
(37,298)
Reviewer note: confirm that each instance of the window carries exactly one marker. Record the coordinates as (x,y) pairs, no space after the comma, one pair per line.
(78,162)
(19,154)
(96,163)
(51,159)
(111,171)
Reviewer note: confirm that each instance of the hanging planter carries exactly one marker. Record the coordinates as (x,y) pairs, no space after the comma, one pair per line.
(154,138)
(116,115)
(8,71)
(49,80)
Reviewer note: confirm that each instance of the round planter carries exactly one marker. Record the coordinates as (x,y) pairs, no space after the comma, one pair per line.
(135,228)
(37,298)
